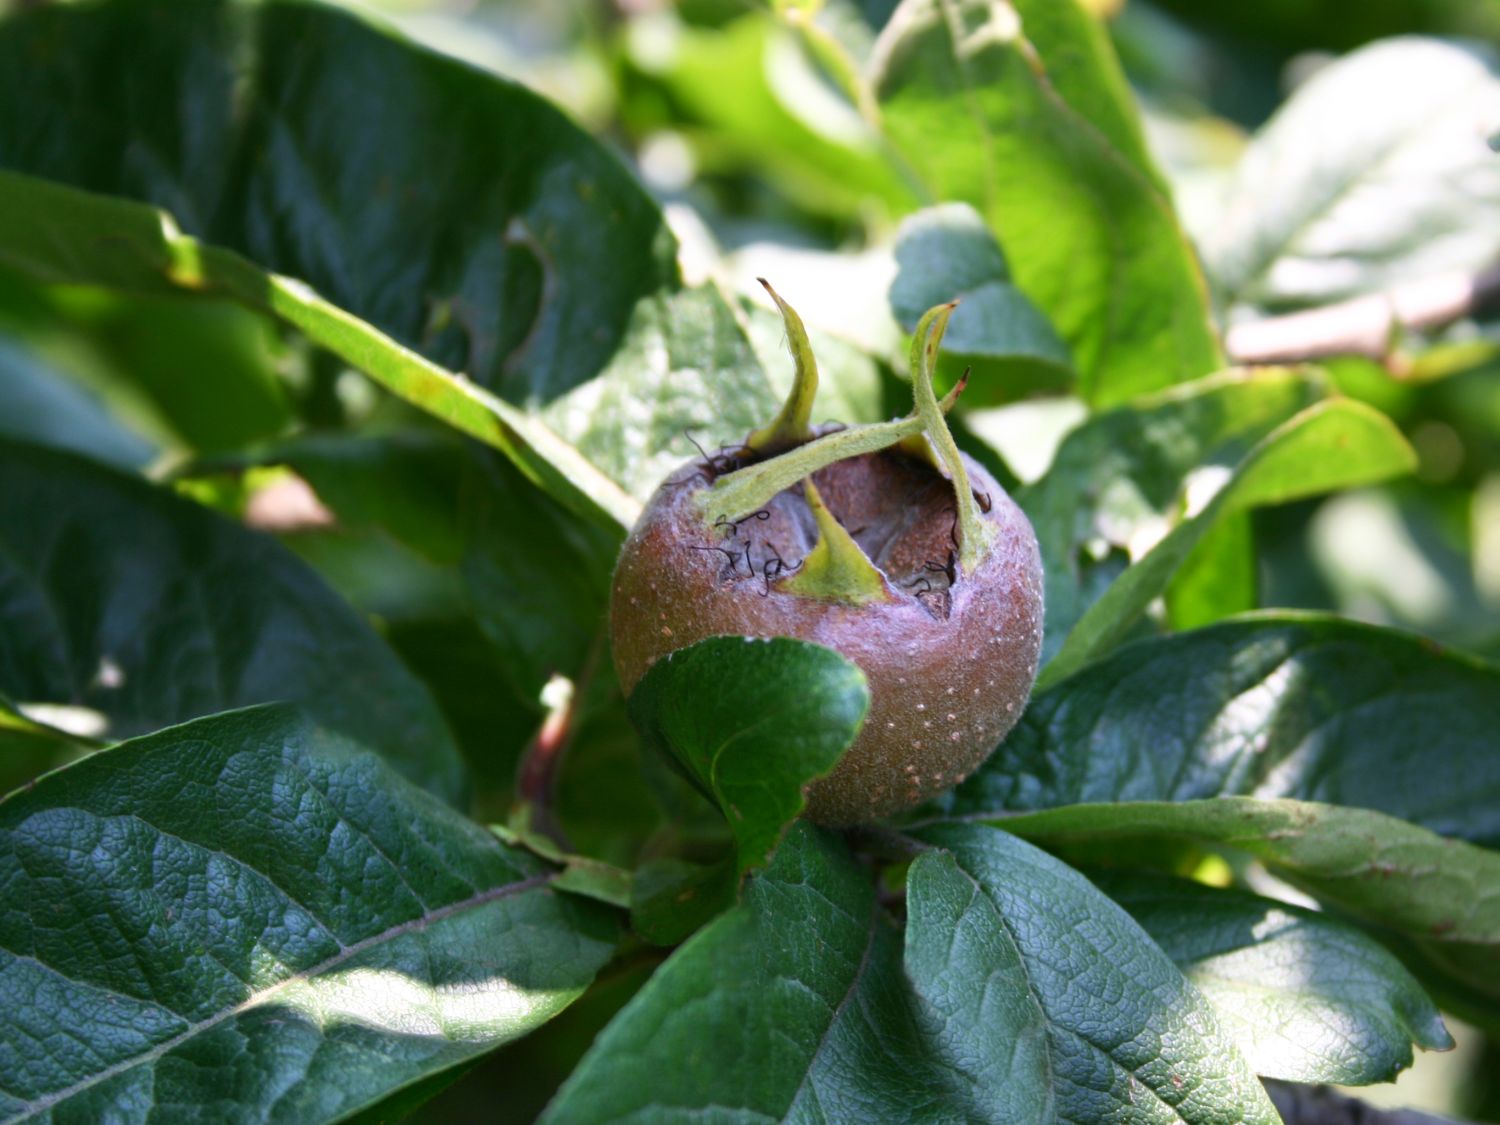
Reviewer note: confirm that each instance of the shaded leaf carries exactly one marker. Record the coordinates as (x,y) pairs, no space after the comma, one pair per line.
(752,722)
(1126,1037)
(1285,705)
(1329,446)
(118,596)
(1376,171)
(1306,998)
(1020,110)
(44,407)
(245,917)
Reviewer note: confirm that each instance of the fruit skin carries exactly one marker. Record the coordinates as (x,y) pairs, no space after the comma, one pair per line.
(944,690)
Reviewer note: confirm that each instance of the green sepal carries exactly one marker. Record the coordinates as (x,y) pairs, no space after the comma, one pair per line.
(837,568)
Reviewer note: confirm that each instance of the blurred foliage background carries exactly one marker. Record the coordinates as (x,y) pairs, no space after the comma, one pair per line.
(742,128)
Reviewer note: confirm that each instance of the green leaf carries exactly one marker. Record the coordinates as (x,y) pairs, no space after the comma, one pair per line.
(1285,705)
(537,576)
(246,918)
(1020,110)
(45,407)
(1374,173)
(1123,1029)
(118,596)
(1218,578)
(790,1007)
(975,1002)
(457,212)
(1327,447)
(1368,864)
(946,253)
(685,366)
(1306,998)
(752,723)
(1117,479)
(71,236)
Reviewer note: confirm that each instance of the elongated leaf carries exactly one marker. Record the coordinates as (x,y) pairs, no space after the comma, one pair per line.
(118,596)
(1329,446)
(245,918)
(1305,997)
(1375,172)
(791,1007)
(1118,479)
(72,236)
(946,253)
(1019,110)
(1127,1038)
(1372,865)
(752,723)
(1284,705)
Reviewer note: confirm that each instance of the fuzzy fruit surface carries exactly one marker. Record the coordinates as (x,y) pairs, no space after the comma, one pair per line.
(950,657)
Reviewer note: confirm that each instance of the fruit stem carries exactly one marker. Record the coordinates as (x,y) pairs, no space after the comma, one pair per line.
(836,568)
(974,533)
(790,427)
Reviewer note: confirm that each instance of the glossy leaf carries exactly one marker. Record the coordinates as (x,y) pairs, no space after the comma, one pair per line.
(1285,705)
(1305,997)
(790,1007)
(246,918)
(118,596)
(752,722)
(1375,172)
(1368,864)
(1122,1027)
(1117,479)
(1327,447)
(1019,110)
(946,253)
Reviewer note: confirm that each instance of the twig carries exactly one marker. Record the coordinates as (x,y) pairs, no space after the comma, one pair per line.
(536,776)
(1368,326)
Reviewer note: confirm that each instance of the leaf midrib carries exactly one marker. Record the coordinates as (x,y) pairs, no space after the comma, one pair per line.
(346,953)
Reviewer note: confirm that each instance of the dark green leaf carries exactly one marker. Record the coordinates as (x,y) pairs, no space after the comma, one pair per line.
(459,213)
(1305,997)
(1020,110)
(791,1007)
(671,898)
(246,918)
(975,1001)
(1376,172)
(1118,479)
(44,407)
(1366,863)
(1301,706)
(537,576)
(1126,1037)
(946,253)
(1329,446)
(752,722)
(120,597)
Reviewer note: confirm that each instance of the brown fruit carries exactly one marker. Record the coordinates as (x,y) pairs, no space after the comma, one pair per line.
(947,637)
